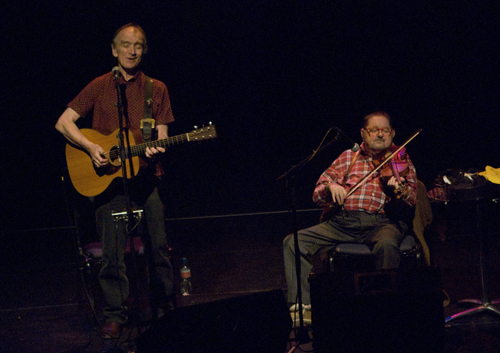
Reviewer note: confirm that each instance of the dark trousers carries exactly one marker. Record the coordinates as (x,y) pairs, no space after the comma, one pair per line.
(377,231)
(112,277)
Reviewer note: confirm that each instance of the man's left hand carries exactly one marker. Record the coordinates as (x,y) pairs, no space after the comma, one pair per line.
(393,182)
(154,151)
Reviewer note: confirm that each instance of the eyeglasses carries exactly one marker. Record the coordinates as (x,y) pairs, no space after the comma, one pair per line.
(374,131)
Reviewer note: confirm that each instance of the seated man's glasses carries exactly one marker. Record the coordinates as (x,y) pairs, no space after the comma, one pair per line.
(374,132)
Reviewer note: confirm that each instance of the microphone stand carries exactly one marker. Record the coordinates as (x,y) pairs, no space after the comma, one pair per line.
(301,335)
(124,142)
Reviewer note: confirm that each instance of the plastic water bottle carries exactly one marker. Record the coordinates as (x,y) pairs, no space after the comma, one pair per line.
(185,278)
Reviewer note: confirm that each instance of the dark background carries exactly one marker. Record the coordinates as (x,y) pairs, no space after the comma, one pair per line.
(273,76)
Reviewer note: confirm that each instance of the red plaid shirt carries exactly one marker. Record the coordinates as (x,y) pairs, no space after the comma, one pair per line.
(370,196)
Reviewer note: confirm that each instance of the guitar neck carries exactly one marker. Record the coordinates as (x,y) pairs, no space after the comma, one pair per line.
(197,135)
(140,149)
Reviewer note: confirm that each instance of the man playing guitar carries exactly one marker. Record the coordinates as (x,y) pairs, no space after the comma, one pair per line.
(98,99)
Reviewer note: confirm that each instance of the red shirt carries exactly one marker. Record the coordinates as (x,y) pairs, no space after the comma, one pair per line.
(99,97)
(370,196)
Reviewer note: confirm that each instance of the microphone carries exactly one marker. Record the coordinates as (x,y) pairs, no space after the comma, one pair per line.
(355,146)
(116,72)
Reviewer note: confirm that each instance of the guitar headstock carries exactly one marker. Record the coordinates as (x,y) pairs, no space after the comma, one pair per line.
(202,133)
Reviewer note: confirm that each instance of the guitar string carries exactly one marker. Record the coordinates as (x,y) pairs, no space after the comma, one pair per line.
(140,149)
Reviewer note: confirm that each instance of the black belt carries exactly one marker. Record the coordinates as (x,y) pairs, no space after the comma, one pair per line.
(362,215)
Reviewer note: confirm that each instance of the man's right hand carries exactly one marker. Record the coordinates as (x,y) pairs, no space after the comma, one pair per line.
(97,154)
(339,194)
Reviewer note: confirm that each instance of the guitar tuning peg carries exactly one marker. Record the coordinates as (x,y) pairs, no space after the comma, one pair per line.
(210,123)
(195,127)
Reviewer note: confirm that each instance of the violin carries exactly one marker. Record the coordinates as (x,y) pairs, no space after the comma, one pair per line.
(398,166)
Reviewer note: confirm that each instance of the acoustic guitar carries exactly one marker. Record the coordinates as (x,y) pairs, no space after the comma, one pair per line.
(91,181)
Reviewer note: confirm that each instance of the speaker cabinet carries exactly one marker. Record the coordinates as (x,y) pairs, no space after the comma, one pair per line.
(257,322)
(384,311)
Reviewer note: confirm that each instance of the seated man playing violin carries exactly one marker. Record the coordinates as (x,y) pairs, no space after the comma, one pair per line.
(361,216)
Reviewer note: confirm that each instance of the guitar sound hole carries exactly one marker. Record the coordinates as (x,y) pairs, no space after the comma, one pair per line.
(114,156)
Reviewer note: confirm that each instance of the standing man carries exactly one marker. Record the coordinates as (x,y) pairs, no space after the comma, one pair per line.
(98,100)
(363,218)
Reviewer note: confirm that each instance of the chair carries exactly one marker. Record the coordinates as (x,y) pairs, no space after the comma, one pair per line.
(358,257)
(81,215)
(94,250)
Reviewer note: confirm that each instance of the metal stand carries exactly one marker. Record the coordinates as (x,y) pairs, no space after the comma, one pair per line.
(128,215)
(485,304)
(301,335)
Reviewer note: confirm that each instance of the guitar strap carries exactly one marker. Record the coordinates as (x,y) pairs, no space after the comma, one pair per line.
(148,123)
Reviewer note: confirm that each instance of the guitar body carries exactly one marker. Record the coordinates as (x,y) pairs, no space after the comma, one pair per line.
(91,181)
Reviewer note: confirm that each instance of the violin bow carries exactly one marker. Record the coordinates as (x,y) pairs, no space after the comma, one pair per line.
(365,178)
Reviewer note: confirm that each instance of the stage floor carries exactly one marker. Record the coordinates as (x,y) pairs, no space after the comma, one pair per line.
(43,306)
